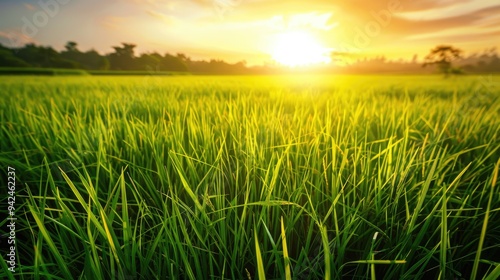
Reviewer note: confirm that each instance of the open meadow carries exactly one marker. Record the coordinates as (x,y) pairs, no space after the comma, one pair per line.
(253,177)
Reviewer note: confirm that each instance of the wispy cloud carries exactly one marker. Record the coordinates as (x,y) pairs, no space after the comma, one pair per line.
(114,22)
(163,17)
(473,23)
(415,16)
(15,38)
(451,10)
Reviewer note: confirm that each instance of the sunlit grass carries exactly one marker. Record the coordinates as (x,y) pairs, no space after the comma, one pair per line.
(295,177)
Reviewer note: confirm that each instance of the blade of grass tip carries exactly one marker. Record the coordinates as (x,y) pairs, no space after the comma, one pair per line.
(372,253)
(110,239)
(38,258)
(326,249)
(485,223)
(260,263)
(127,233)
(185,183)
(288,274)
(93,255)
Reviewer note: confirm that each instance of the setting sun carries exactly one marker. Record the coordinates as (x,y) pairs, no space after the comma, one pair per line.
(299,48)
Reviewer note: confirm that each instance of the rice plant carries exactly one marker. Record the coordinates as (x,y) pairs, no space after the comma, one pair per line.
(275,177)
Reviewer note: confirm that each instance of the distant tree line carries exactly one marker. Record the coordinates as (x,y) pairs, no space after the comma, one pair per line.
(444,59)
(124,58)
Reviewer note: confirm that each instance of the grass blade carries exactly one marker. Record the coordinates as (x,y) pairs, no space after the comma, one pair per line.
(260,265)
(286,258)
(485,222)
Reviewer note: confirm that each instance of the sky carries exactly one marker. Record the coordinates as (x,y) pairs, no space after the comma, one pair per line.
(254,30)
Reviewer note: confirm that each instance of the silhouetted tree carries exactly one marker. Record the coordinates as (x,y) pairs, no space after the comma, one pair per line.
(95,61)
(71,46)
(90,60)
(72,52)
(123,57)
(184,58)
(173,63)
(442,56)
(149,62)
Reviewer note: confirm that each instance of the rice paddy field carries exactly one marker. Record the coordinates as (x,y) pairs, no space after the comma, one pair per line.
(246,177)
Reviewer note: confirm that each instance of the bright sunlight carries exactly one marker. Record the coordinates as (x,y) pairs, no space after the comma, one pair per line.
(299,48)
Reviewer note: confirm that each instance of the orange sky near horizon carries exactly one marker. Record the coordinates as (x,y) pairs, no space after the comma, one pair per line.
(250,30)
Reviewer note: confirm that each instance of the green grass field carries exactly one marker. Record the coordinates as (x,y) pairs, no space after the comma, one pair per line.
(276,177)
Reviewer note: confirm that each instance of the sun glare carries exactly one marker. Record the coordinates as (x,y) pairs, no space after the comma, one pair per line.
(299,48)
